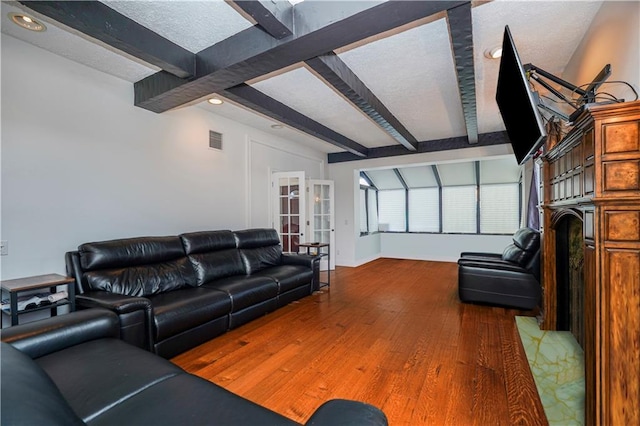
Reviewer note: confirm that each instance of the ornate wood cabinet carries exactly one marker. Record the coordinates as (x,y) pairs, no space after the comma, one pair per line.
(593,174)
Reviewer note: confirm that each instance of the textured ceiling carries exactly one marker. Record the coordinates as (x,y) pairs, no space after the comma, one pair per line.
(194,25)
(410,70)
(411,73)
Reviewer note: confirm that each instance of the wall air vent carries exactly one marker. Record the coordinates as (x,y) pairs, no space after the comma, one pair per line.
(215,140)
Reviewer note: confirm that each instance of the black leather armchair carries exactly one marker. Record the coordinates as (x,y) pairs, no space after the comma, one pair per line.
(509,279)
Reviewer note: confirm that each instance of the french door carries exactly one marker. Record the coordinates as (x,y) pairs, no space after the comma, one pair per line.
(289,213)
(321,214)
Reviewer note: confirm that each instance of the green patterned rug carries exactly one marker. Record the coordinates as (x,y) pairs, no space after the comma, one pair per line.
(557,364)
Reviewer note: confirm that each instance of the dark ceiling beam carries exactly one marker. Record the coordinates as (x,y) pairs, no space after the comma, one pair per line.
(461,30)
(99,21)
(320,28)
(274,17)
(332,69)
(257,101)
(460,142)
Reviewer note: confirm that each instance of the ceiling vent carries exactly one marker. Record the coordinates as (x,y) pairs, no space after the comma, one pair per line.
(215,140)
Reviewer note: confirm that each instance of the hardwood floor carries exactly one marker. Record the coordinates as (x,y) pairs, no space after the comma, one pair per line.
(392,333)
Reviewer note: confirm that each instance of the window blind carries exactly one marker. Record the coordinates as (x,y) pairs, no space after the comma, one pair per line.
(459,209)
(392,210)
(424,210)
(363,211)
(372,210)
(499,208)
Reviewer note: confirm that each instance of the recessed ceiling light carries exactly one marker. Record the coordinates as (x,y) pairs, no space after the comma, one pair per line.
(26,21)
(493,53)
(215,101)
(277,126)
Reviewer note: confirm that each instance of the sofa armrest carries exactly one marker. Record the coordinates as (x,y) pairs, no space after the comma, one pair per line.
(53,334)
(347,413)
(117,303)
(299,259)
(135,314)
(481,255)
(490,264)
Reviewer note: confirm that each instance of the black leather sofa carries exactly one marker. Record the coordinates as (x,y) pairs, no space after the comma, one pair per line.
(174,293)
(509,279)
(74,370)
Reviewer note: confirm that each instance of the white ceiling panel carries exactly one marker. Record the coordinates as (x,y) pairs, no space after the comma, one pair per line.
(546,34)
(412,74)
(304,92)
(453,174)
(194,25)
(385,179)
(79,48)
(500,170)
(419,177)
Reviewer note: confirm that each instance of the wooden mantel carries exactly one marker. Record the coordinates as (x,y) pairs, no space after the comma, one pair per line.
(593,173)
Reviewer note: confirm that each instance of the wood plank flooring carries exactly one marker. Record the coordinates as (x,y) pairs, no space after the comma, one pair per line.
(392,333)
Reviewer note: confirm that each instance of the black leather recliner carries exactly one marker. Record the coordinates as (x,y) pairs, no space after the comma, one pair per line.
(509,279)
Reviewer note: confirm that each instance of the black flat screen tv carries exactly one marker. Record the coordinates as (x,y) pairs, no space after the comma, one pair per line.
(517,105)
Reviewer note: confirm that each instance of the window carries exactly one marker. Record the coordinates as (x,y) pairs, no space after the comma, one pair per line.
(372,209)
(458,197)
(391,210)
(363,212)
(459,209)
(499,214)
(424,210)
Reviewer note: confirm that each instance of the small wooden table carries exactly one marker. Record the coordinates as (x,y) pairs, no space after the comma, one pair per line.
(50,281)
(317,247)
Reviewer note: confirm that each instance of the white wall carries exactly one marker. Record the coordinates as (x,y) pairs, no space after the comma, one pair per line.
(440,247)
(81,163)
(354,250)
(264,159)
(613,38)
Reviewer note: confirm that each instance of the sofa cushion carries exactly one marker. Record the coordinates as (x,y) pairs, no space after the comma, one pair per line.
(185,309)
(29,397)
(136,266)
(129,252)
(527,239)
(99,374)
(143,280)
(288,277)
(216,264)
(257,259)
(246,291)
(515,254)
(206,241)
(213,255)
(259,237)
(188,400)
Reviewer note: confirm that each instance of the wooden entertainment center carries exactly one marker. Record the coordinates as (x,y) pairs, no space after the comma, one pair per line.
(592,175)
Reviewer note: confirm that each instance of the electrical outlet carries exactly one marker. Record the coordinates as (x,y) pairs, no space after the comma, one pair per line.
(4,248)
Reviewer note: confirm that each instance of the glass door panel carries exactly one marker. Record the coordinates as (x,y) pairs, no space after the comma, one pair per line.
(321,223)
(287,215)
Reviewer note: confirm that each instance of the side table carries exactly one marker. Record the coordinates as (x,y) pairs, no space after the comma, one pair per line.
(50,281)
(317,247)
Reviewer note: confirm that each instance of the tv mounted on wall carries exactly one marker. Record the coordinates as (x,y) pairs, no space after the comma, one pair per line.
(517,104)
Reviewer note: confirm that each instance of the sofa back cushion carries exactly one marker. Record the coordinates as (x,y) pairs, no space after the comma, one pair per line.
(213,255)
(30,396)
(259,248)
(515,254)
(526,243)
(527,239)
(136,266)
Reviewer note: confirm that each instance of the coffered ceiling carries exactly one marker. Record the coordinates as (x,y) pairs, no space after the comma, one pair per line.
(354,79)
